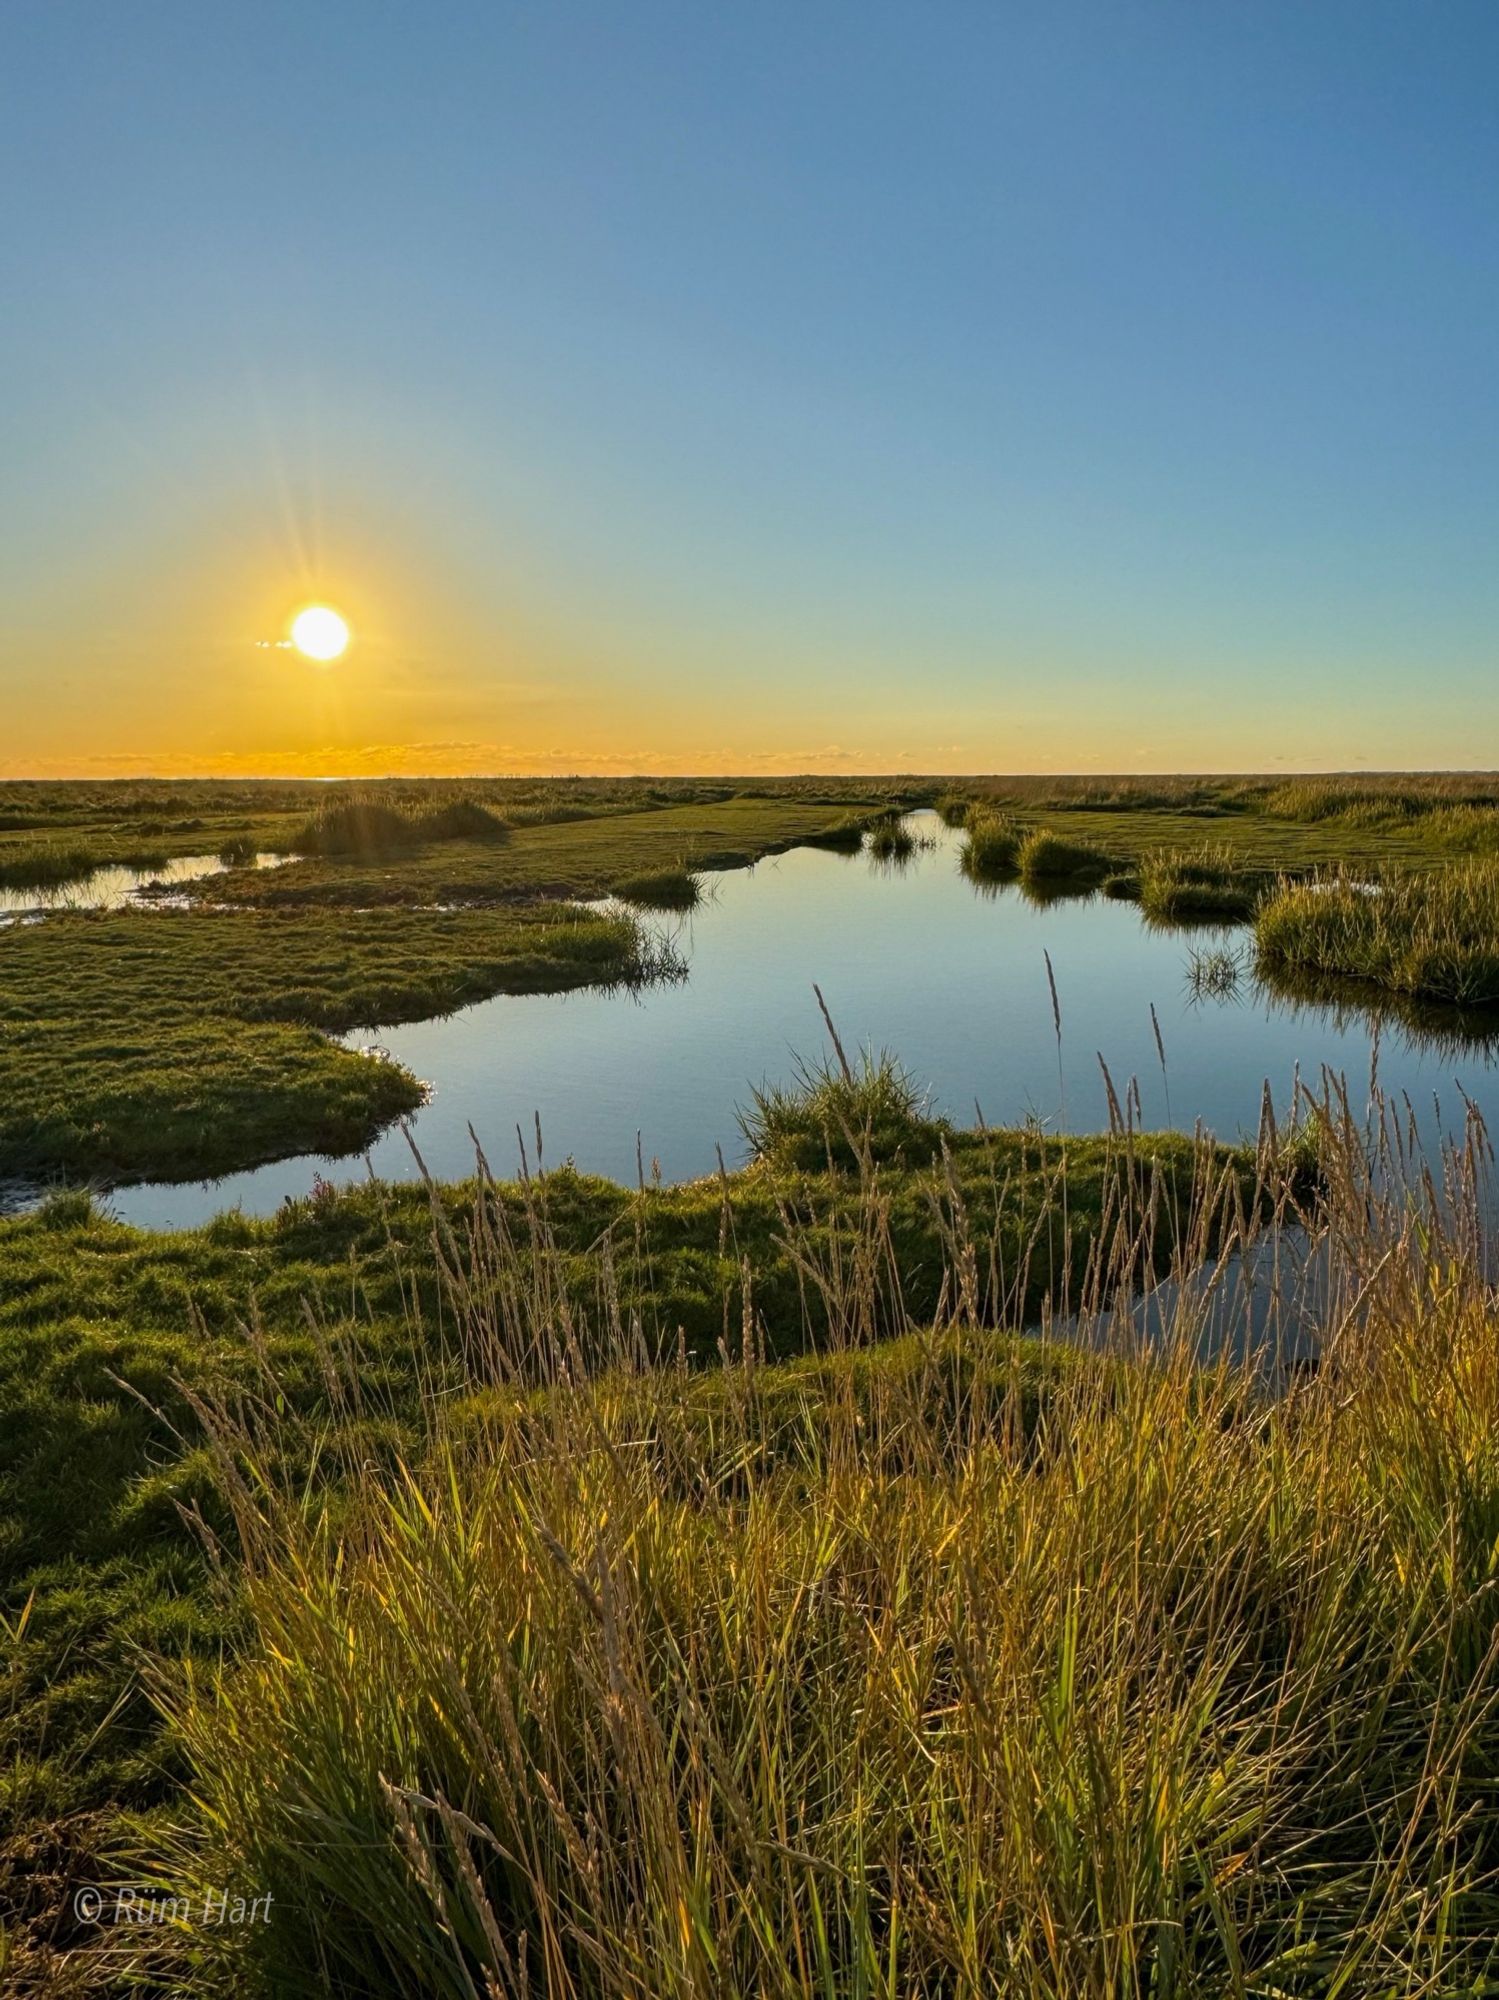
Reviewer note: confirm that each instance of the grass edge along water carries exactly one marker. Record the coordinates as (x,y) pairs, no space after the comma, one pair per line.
(1087,1665)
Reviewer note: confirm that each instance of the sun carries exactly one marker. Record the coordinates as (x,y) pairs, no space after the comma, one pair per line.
(319,633)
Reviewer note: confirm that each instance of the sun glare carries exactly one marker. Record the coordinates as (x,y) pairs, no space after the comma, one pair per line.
(319,633)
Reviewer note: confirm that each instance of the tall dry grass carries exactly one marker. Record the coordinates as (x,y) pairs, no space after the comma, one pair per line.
(1085,1666)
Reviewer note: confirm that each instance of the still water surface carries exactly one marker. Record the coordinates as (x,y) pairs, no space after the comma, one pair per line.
(917,960)
(116,888)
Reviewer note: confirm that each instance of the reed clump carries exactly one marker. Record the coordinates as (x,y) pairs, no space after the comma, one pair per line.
(374,829)
(839,1111)
(45,864)
(1429,936)
(362,828)
(662,889)
(1201,884)
(922,1670)
(844,835)
(462,819)
(890,839)
(1047,857)
(991,848)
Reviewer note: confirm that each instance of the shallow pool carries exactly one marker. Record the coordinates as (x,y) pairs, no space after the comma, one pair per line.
(916,960)
(115,888)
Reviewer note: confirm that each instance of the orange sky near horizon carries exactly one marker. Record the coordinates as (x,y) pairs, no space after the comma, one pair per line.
(644,408)
(171,660)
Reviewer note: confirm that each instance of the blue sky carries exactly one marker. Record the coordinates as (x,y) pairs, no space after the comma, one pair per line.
(936,387)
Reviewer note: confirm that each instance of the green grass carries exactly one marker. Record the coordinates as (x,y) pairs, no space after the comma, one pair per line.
(1443,804)
(107,823)
(937,1664)
(662,889)
(46,864)
(892,1654)
(841,1112)
(704,1586)
(991,846)
(1365,821)
(373,829)
(139,1044)
(890,839)
(588,856)
(1202,884)
(1046,857)
(1268,826)
(135,1045)
(367,829)
(105,1332)
(1432,937)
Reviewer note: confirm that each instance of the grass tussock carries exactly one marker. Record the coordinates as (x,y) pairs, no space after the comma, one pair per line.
(991,847)
(663,889)
(462,819)
(1204,884)
(1428,936)
(844,835)
(953,808)
(1047,857)
(840,1112)
(945,1673)
(361,828)
(890,839)
(366,829)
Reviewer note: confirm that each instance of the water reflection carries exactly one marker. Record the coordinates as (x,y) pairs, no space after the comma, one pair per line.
(910,958)
(1443,1034)
(116,888)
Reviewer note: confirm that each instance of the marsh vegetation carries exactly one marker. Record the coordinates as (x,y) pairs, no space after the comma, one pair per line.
(1201,884)
(1432,937)
(1046,856)
(662,889)
(810,1577)
(891,839)
(991,848)
(1214,972)
(137,1045)
(538,1633)
(837,1112)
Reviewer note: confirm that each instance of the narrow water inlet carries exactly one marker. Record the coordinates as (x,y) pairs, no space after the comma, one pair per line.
(118,887)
